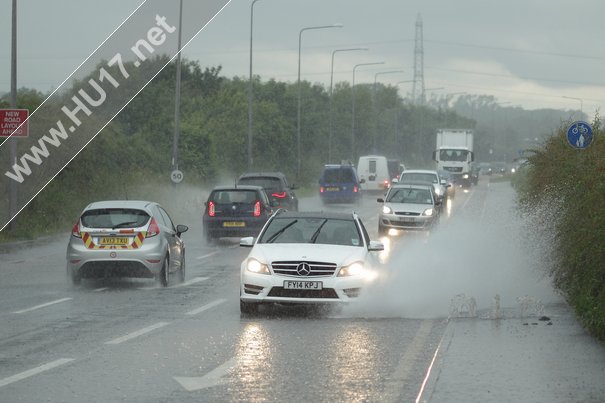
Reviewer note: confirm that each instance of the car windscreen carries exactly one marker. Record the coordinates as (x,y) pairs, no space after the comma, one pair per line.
(418,177)
(234,196)
(316,230)
(264,182)
(114,218)
(338,175)
(453,155)
(410,195)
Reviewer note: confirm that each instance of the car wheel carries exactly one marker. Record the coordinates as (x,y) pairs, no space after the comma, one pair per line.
(182,269)
(165,272)
(248,307)
(76,279)
(208,237)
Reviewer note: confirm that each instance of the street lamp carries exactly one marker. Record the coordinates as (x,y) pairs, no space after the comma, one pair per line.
(331,82)
(250,91)
(374,103)
(299,91)
(353,106)
(577,99)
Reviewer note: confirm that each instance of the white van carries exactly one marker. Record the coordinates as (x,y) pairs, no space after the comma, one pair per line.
(373,171)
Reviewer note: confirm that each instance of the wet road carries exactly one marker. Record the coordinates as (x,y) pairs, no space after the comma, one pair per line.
(407,340)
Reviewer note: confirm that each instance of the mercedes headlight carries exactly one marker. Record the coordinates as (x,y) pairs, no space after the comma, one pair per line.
(254,266)
(354,269)
(387,210)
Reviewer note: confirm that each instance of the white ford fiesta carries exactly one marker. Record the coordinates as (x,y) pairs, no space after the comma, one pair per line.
(307,258)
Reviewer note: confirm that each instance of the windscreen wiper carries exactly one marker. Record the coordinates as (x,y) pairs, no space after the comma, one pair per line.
(316,233)
(281,231)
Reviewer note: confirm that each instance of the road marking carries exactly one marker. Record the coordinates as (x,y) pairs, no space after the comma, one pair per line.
(192,281)
(137,333)
(212,378)
(100,289)
(207,255)
(206,307)
(406,364)
(428,373)
(33,308)
(34,371)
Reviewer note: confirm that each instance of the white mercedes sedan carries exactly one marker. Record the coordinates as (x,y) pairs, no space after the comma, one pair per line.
(308,258)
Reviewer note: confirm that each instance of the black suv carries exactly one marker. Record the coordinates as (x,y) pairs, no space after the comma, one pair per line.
(280,193)
(235,211)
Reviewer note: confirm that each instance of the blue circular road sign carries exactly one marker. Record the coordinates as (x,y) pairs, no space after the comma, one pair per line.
(579,134)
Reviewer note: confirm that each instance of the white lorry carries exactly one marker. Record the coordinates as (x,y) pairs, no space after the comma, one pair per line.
(454,154)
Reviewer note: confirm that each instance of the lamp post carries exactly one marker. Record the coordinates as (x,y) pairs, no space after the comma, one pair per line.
(250,89)
(577,99)
(299,91)
(353,106)
(177,98)
(331,91)
(374,104)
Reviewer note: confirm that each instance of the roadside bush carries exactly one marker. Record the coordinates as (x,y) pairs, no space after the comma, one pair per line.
(577,179)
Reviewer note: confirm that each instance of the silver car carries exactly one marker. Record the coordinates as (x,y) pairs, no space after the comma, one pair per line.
(125,238)
(408,207)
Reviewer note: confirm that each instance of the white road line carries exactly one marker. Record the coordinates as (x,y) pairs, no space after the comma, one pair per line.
(212,378)
(100,289)
(206,307)
(33,308)
(192,281)
(34,371)
(207,255)
(137,333)
(406,364)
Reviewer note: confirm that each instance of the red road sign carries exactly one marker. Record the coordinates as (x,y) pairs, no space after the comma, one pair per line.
(10,119)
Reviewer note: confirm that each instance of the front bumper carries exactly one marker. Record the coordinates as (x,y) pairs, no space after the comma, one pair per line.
(403,222)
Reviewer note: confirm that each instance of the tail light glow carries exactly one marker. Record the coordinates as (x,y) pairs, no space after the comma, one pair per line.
(355,189)
(279,195)
(153,229)
(321,189)
(257,209)
(211,211)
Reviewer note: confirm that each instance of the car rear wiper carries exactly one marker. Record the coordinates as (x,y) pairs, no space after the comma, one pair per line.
(316,233)
(281,231)
(124,224)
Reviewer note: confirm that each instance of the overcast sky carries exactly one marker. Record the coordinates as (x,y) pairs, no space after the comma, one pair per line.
(530,53)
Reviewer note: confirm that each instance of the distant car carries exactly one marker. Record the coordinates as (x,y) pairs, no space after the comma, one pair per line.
(426,175)
(499,168)
(339,183)
(408,207)
(276,186)
(308,258)
(126,238)
(450,183)
(485,168)
(235,211)
(475,173)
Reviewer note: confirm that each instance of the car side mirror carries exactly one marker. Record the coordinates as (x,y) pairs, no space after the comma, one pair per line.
(180,229)
(362,181)
(375,246)
(247,242)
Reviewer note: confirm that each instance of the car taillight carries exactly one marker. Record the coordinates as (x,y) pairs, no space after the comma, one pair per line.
(153,229)
(257,209)
(279,195)
(75,231)
(355,189)
(386,184)
(211,211)
(321,189)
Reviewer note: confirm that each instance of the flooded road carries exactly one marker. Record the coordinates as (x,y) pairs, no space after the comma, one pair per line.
(465,313)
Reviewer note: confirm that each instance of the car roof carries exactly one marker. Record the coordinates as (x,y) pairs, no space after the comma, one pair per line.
(415,184)
(261,173)
(420,171)
(134,204)
(317,214)
(239,187)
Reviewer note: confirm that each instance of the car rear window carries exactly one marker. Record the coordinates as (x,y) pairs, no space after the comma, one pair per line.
(264,182)
(338,175)
(418,177)
(114,218)
(234,196)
